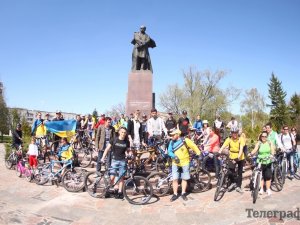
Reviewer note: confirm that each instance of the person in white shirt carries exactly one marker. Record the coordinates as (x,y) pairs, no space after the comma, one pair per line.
(233,124)
(156,125)
(286,144)
(33,153)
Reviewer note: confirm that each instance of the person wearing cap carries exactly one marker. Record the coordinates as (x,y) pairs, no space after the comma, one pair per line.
(140,54)
(236,154)
(183,124)
(205,131)
(156,126)
(219,126)
(178,150)
(47,118)
(17,135)
(101,121)
(170,122)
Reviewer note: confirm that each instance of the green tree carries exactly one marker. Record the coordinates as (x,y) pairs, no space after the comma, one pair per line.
(4,118)
(279,110)
(15,118)
(26,128)
(294,108)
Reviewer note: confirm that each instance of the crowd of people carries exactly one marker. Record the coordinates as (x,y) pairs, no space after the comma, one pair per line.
(115,139)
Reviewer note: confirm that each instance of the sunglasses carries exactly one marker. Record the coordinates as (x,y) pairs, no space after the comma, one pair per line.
(264,136)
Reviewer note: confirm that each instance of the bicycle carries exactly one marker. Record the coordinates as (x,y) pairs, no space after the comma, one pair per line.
(14,156)
(223,178)
(72,179)
(137,190)
(23,167)
(199,181)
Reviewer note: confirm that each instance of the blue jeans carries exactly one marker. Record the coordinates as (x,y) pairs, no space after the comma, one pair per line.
(290,158)
(118,168)
(100,154)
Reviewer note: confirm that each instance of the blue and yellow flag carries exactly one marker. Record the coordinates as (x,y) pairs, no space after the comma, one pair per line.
(62,128)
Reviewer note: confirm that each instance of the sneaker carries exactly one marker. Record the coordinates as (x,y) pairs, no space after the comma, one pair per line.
(119,195)
(291,177)
(269,192)
(173,198)
(261,191)
(239,190)
(232,187)
(184,197)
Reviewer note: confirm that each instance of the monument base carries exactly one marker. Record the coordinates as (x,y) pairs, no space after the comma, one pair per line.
(139,96)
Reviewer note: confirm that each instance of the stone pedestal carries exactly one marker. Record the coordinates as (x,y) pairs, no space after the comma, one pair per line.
(139,94)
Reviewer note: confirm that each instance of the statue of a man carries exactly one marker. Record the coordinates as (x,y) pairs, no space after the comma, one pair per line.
(140,55)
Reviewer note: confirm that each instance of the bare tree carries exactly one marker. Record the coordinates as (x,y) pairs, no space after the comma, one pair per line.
(253,104)
(172,99)
(116,110)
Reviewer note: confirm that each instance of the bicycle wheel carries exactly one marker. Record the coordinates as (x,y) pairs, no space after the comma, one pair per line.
(28,175)
(160,183)
(219,186)
(42,175)
(18,171)
(9,161)
(85,157)
(200,181)
(137,190)
(256,188)
(284,170)
(278,178)
(95,184)
(73,180)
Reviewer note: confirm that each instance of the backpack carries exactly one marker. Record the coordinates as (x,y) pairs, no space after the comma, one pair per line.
(290,137)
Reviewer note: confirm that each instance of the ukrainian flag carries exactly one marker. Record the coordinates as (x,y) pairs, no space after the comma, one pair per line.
(62,128)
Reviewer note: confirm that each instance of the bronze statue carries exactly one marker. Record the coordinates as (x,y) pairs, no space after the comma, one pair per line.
(140,55)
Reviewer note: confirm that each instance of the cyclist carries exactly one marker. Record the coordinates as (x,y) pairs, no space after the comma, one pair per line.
(120,148)
(170,122)
(287,144)
(33,153)
(17,136)
(183,124)
(55,137)
(198,125)
(218,126)
(105,133)
(38,129)
(205,131)
(236,154)
(272,135)
(265,149)
(156,126)
(179,152)
(213,147)
(135,131)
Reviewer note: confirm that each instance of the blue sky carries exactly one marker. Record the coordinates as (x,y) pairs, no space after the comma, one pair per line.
(75,55)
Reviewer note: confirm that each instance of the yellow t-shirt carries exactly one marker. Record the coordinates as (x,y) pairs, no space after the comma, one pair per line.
(234,147)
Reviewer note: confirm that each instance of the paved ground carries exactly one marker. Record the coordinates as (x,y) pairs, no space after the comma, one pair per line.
(27,203)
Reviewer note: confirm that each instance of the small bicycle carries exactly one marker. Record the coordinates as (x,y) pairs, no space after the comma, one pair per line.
(137,190)
(23,167)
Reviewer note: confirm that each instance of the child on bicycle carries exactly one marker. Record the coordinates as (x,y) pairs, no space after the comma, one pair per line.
(33,153)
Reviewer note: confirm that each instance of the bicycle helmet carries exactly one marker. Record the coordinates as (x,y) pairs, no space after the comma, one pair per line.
(184,112)
(19,125)
(234,130)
